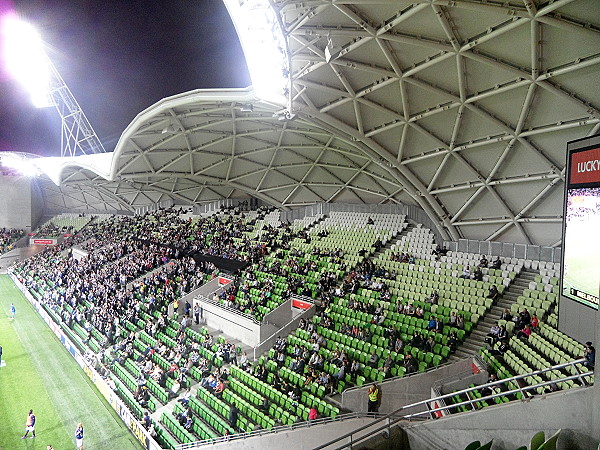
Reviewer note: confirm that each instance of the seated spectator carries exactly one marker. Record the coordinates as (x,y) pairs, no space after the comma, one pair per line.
(506,315)
(218,392)
(433,298)
(452,341)
(590,356)
(452,319)
(525,332)
(477,274)
(483,262)
(429,344)
(502,334)
(501,349)
(279,358)
(174,389)
(466,273)
(438,326)
(183,415)
(490,390)
(460,322)
(409,364)
(312,413)
(373,359)
(355,369)
(493,293)
(497,264)
(535,323)
(340,375)
(419,312)
(398,345)
(388,363)
(431,324)
(492,336)
(417,340)
(185,397)
(523,319)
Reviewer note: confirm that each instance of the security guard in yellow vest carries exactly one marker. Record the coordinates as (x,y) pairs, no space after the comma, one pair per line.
(373,397)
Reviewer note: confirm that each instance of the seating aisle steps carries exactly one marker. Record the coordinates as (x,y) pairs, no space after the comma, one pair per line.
(168,407)
(476,339)
(392,241)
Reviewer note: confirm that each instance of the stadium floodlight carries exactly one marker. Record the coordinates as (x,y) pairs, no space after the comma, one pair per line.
(26,60)
(19,163)
(265,48)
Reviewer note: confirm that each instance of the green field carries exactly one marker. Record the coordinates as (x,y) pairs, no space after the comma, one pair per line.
(582,257)
(41,375)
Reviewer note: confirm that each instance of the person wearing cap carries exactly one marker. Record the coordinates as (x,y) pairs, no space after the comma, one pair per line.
(590,355)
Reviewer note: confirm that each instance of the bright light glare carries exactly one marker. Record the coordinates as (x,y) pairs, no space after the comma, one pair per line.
(264,46)
(26,60)
(20,164)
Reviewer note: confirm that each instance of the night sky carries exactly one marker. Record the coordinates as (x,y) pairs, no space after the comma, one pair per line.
(119,57)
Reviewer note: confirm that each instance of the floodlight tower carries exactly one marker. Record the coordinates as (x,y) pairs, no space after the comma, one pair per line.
(77,135)
(30,64)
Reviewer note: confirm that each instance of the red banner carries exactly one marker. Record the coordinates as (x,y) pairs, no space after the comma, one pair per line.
(43,241)
(300,304)
(223,280)
(585,167)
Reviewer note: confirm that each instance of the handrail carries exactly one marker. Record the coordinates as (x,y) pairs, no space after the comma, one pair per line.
(391,419)
(205,299)
(430,411)
(264,432)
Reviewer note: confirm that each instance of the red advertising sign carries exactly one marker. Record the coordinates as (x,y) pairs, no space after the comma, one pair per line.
(300,304)
(43,241)
(223,280)
(585,167)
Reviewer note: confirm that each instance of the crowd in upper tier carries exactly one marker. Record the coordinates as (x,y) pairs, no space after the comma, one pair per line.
(8,236)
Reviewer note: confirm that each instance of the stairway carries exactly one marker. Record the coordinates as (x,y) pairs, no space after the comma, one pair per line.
(476,339)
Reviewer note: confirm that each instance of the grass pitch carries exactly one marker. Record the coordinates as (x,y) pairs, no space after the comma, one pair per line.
(41,375)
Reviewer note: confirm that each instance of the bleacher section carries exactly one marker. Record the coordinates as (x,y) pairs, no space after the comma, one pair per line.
(379,279)
(63,224)
(8,236)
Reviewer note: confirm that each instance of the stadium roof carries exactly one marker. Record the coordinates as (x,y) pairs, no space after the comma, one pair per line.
(461,107)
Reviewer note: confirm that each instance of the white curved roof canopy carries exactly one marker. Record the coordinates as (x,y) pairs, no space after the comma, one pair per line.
(461,107)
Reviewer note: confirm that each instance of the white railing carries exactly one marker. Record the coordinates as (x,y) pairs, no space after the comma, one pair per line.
(355,437)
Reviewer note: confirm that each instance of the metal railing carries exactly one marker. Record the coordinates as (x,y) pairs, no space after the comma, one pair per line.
(274,430)
(353,438)
(237,312)
(387,421)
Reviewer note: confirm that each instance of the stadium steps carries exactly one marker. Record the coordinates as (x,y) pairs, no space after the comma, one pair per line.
(146,275)
(392,241)
(476,339)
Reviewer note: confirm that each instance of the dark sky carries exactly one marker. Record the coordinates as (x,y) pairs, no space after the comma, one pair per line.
(119,57)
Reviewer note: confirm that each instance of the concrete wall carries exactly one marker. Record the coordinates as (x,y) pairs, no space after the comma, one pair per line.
(297,439)
(404,391)
(267,342)
(38,204)
(513,424)
(79,253)
(230,323)
(15,202)
(577,320)
(280,315)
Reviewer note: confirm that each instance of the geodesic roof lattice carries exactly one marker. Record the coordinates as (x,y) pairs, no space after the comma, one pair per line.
(461,107)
